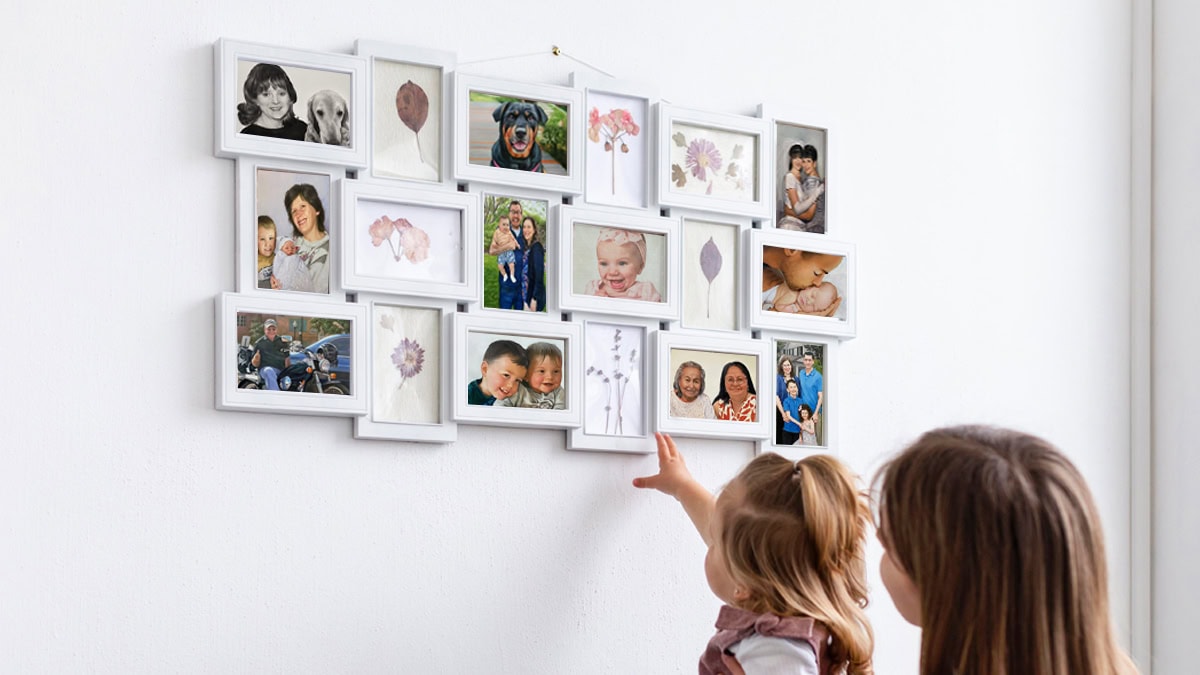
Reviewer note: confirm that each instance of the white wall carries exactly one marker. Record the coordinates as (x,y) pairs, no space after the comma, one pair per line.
(981,166)
(1176,331)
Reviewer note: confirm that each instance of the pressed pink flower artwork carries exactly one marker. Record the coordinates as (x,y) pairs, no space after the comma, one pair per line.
(615,126)
(413,241)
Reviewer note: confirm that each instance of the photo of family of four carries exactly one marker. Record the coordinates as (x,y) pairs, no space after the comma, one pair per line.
(519,377)
(736,401)
(520,260)
(799,396)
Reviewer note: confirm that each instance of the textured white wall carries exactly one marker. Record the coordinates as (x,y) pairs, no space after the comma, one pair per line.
(980,163)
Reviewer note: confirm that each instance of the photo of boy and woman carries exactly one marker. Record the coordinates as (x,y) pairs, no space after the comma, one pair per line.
(517,372)
(514,246)
(611,262)
(292,237)
(800,401)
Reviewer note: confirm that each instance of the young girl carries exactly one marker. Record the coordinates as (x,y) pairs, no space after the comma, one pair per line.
(997,527)
(620,258)
(808,426)
(785,552)
(267,110)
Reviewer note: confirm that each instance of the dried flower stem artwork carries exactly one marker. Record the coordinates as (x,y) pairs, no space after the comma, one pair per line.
(613,126)
(413,241)
(616,382)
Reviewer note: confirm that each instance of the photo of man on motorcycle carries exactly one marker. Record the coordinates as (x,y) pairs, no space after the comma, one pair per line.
(270,355)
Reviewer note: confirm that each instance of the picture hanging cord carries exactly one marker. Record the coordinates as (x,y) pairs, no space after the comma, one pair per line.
(555,50)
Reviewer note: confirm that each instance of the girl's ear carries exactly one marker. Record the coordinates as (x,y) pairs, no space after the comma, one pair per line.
(741,593)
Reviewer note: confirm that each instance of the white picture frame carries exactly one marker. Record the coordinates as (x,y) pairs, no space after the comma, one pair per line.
(477,131)
(411,343)
(712,162)
(716,306)
(766,249)
(784,132)
(617,406)
(426,251)
(619,149)
(409,79)
(581,229)
(673,349)
(263,185)
(828,366)
(473,333)
(236,314)
(534,202)
(329,87)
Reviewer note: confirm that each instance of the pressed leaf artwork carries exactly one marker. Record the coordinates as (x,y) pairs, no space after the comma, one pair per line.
(710,265)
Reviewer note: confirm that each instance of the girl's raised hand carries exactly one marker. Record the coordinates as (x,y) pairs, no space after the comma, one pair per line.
(672,473)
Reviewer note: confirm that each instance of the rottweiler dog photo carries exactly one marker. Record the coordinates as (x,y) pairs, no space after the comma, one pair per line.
(517,147)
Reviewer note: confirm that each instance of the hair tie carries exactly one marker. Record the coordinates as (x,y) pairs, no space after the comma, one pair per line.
(796,467)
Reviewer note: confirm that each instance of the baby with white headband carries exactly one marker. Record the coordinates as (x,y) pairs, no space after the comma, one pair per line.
(620,258)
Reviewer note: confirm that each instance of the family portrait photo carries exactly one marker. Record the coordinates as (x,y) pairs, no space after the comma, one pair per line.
(800,399)
(292,233)
(514,252)
(799,160)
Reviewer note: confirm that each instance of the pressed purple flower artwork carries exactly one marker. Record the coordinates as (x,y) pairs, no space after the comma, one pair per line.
(710,257)
(613,394)
(407,241)
(406,364)
(713,162)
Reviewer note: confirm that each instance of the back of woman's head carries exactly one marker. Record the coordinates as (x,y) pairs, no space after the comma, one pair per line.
(795,537)
(1000,536)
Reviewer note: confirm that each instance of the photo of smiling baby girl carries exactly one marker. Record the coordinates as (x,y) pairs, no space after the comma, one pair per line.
(613,262)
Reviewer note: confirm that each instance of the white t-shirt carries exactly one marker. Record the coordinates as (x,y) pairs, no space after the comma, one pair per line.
(759,655)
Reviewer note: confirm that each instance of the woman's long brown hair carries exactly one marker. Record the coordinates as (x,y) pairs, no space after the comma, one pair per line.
(1000,535)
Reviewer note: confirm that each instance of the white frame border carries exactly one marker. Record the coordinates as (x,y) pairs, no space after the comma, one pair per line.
(468,206)
(743,225)
(831,361)
(245,265)
(465,371)
(760,208)
(572,183)
(576,438)
(230,143)
(229,397)
(569,216)
(589,82)
(758,318)
(705,428)
(445,431)
(373,50)
(769,114)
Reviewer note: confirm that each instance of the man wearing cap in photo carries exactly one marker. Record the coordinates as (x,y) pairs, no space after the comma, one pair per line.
(270,355)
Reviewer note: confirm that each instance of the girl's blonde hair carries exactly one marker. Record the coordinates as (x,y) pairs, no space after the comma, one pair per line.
(795,538)
(1000,535)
